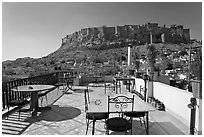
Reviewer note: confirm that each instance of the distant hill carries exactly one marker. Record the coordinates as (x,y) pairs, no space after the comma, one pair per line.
(80,49)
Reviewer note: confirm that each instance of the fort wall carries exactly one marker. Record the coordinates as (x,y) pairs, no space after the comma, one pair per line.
(141,33)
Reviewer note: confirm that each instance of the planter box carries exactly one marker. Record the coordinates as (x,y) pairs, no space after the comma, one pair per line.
(197,88)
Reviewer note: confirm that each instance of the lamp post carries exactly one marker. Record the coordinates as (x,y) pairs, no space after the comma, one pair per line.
(192,106)
(189,68)
(145,78)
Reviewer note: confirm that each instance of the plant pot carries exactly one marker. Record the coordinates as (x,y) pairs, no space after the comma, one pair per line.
(196,88)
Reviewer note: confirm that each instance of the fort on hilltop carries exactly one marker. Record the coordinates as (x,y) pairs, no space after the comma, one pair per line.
(141,33)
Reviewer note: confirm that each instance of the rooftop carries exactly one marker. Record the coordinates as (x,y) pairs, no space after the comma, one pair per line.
(67,117)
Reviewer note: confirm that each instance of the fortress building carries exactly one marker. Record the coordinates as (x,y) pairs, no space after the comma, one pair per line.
(141,33)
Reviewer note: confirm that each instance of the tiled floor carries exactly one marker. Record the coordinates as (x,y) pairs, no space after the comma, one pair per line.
(67,117)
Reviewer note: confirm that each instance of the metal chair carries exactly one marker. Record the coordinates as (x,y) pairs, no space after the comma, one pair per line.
(43,94)
(18,102)
(58,85)
(140,115)
(68,80)
(110,84)
(92,117)
(121,104)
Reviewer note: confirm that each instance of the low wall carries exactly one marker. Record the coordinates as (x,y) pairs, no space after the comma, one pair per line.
(86,79)
(139,82)
(90,79)
(164,79)
(174,99)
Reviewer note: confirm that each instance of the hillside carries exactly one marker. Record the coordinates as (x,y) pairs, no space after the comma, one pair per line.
(80,50)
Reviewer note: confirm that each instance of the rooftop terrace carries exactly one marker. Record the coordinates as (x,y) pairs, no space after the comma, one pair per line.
(67,117)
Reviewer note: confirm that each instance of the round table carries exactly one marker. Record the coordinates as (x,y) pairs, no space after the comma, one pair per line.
(34,89)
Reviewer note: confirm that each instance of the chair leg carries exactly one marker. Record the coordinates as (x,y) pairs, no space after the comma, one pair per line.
(8,113)
(46,99)
(41,101)
(87,126)
(88,97)
(107,132)
(19,112)
(93,128)
(105,88)
(145,125)
(57,90)
(131,124)
(140,121)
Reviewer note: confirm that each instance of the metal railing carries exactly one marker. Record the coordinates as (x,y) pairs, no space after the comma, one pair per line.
(9,95)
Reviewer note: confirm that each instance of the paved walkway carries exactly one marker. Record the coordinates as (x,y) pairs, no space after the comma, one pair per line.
(67,117)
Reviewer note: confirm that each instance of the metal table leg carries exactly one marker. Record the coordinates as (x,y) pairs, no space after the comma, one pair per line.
(93,128)
(147,122)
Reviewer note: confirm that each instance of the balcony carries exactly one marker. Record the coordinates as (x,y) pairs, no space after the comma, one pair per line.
(67,116)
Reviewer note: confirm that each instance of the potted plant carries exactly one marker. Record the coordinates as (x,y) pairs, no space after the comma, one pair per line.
(196,67)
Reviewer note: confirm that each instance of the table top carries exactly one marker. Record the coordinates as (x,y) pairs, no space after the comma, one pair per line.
(123,78)
(100,104)
(33,88)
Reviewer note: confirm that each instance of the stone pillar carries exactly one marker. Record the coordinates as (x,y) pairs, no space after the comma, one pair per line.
(163,38)
(151,38)
(116,30)
(129,55)
(151,85)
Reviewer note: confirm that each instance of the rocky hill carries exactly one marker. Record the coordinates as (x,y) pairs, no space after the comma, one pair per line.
(90,46)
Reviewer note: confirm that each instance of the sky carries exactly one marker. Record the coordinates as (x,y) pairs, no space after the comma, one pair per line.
(35,29)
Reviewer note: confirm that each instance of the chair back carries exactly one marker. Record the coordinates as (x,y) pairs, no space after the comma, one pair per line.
(86,98)
(120,104)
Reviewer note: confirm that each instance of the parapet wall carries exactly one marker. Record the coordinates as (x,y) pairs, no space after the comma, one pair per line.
(175,101)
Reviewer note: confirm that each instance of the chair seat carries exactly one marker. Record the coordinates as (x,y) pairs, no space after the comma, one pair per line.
(97,116)
(135,114)
(18,102)
(42,94)
(118,124)
(58,84)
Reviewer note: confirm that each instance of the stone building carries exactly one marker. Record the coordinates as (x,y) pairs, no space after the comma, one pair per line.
(173,34)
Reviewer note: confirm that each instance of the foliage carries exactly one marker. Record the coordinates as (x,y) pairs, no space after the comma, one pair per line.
(97,60)
(113,52)
(63,61)
(151,56)
(196,65)
(52,62)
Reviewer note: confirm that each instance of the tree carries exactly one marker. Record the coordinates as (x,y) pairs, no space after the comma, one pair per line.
(196,65)
(137,64)
(123,58)
(151,56)
(63,61)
